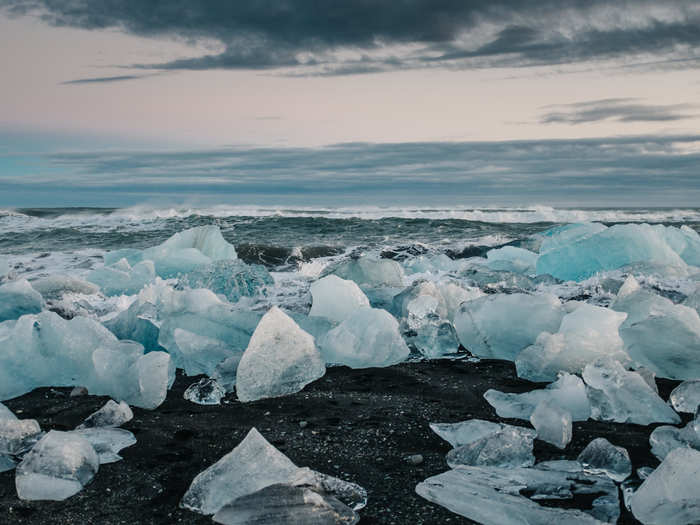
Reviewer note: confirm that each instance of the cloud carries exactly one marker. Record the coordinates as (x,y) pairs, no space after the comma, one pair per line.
(100,80)
(360,36)
(616,109)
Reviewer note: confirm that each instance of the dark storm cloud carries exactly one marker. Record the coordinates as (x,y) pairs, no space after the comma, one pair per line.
(383,35)
(617,109)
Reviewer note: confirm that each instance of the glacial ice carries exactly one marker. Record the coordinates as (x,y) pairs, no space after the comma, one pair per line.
(280,359)
(568,234)
(686,397)
(602,457)
(670,493)
(55,286)
(112,414)
(658,334)
(206,391)
(18,298)
(6,413)
(107,441)
(465,432)
(17,435)
(231,278)
(623,396)
(509,446)
(57,467)
(368,338)
(423,320)
(552,423)
(283,503)
(665,438)
(253,465)
(455,293)
(511,259)
(121,278)
(371,272)
(493,495)
(336,299)
(6,463)
(568,392)
(225,372)
(585,334)
(500,326)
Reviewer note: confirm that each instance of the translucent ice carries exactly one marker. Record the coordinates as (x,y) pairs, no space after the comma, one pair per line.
(585,334)
(280,359)
(500,326)
(455,293)
(553,424)
(567,392)
(568,234)
(231,278)
(371,272)
(55,286)
(509,446)
(512,259)
(664,439)
(686,397)
(602,457)
(107,442)
(17,435)
(206,391)
(112,414)
(493,495)
(465,432)
(122,278)
(623,396)
(368,338)
(670,493)
(58,466)
(18,298)
(336,299)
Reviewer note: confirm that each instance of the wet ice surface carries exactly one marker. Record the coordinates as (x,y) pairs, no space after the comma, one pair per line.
(206,391)
(602,457)
(112,414)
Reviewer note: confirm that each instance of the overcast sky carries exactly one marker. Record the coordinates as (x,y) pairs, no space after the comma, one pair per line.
(119,95)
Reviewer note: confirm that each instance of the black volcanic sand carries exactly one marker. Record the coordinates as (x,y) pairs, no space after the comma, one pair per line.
(361,424)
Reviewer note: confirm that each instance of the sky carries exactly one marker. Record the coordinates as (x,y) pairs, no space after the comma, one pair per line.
(494,102)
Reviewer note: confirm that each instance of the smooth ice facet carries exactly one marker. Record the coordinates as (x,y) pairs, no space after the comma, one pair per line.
(231,278)
(18,298)
(509,447)
(17,435)
(55,286)
(371,272)
(122,278)
(664,439)
(206,391)
(336,299)
(112,414)
(107,442)
(686,397)
(602,457)
(512,259)
(553,424)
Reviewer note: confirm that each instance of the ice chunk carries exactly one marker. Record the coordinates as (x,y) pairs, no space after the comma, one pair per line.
(434,263)
(137,324)
(18,298)
(693,300)
(6,413)
(371,272)
(17,435)
(206,391)
(231,278)
(500,326)
(351,494)
(368,338)
(670,493)
(686,397)
(512,259)
(493,495)
(664,439)
(650,320)
(280,359)
(623,396)
(58,466)
(510,446)
(455,294)
(6,462)
(585,334)
(602,457)
(612,248)
(465,432)
(55,286)
(424,323)
(568,392)
(568,234)
(282,503)
(107,442)
(553,424)
(112,414)
(121,278)
(336,299)
(225,372)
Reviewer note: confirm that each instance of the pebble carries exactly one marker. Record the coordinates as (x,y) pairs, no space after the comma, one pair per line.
(79,391)
(415,459)
(303,424)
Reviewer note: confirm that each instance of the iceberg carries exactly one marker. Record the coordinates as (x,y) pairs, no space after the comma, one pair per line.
(623,396)
(280,359)
(18,298)
(670,493)
(686,397)
(500,326)
(112,414)
(512,259)
(107,441)
(368,338)
(232,279)
(206,391)
(585,334)
(336,299)
(552,423)
(602,457)
(56,468)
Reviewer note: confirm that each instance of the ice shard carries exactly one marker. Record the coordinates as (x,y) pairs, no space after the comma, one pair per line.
(336,299)
(232,279)
(602,457)
(121,278)
(512,259)
(509,447)
(686,397)
(371,272)
(56,286)
(664,439)
(206,391)
(552,423)
(18,298)
(17,435)
(112,414)
(107,442)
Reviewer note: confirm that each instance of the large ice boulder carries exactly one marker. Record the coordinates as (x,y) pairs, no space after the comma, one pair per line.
(568,234)
(602,457)
(368,338)
(666,438)
(658,334)
(512,259)
(455,293)
(584,335)
(371,272)
(553,423)
(232,279)
(280,359)
(56,286)
(335,298)
(58,466)
(121,278)
(107,441)
(500,326)
(18,298)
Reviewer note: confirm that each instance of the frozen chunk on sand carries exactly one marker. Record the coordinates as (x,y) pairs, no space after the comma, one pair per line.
(500,326)
(670,493)
(624,396)
(510,446)
(18,298)
(280,359)
(686,397)
(553,424)
(493,495)
(465,432)
(112,414)
(107,442)
(568,392)
(17,435)
(368,338)
(664,439)
(602,457)
(206,391)
(57,467)
(336,299)
(255,464)
(282,503)
(585,334)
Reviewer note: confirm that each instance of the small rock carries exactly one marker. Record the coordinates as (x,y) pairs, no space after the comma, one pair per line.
(303,424)
(415,459)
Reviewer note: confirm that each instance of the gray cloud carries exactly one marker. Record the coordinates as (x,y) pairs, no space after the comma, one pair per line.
(100,80)
(361,36)
(617,109)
